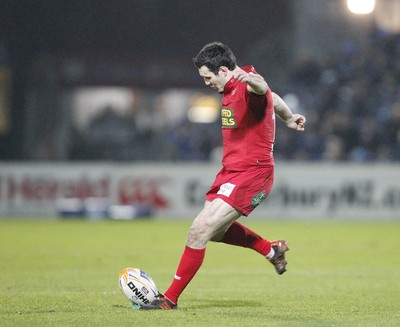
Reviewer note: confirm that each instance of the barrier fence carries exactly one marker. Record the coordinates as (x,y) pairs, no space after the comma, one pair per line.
(301,191)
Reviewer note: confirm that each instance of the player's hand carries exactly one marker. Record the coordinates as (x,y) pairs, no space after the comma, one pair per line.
(297,122)
(241,75)
(255,83)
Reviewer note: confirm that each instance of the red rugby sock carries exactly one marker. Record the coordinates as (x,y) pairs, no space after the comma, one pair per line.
(240,235)
(190,263)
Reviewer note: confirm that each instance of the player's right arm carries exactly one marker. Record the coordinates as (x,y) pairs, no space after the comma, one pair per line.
(294,121)
(255,82)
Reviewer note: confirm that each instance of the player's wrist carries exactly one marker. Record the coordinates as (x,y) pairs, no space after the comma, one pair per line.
(289,120)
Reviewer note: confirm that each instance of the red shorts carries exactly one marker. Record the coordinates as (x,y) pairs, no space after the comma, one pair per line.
(243,190)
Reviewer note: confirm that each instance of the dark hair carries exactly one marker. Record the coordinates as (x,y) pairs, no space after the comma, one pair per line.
(214,55)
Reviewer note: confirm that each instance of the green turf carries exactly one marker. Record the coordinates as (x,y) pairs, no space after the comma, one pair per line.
(65,273)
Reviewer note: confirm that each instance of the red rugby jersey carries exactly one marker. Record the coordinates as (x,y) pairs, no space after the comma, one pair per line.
(248,126)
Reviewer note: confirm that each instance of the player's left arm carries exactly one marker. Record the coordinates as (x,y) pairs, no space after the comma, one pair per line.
(255,82)
(294,121)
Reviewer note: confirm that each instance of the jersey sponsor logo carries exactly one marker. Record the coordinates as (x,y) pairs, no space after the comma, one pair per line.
(258,198)
(228,118)
(226,189)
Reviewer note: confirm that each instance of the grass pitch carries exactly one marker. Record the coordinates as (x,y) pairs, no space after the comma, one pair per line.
(65,273)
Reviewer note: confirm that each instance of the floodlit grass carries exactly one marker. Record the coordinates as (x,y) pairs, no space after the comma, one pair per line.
(65,273)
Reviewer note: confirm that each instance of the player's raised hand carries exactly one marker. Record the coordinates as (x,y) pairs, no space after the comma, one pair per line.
(241,75)
(296,122)
(255,83)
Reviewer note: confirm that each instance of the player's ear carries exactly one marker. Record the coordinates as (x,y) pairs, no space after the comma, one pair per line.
(223,71)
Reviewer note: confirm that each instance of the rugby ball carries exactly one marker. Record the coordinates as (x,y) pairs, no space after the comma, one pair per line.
(137,286)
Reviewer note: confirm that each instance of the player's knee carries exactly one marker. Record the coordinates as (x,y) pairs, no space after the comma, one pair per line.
(198,236)
(218,237)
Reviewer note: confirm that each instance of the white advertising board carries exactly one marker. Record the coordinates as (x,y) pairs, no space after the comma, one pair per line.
(301,191)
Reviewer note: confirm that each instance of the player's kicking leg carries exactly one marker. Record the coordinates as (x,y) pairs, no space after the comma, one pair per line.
(278,257)
(240,235)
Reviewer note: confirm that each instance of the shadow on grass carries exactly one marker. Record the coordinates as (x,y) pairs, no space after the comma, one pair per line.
(223,303)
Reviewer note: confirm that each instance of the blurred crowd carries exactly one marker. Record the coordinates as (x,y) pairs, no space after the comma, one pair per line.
(351,101)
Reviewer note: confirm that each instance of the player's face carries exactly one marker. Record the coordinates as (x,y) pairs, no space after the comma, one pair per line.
(216,82)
